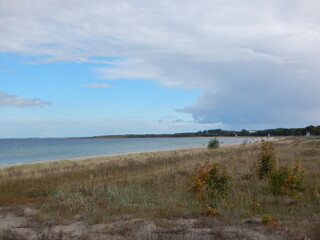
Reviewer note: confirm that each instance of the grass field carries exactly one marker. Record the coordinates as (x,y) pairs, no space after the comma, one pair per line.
(156,186)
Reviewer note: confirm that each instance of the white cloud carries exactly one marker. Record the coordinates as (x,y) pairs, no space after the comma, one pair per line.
(17,101)
(256,61)
(97,85)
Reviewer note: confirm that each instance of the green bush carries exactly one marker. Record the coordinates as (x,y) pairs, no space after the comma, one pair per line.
(211,180)
(269,220)
(287,178)
(218,181)
(213,143)
(267,160)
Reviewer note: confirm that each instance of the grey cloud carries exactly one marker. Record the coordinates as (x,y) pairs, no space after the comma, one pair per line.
(260,94)
(7,100)
(256,61)
(180,121)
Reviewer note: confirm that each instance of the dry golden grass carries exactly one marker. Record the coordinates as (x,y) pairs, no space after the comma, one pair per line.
(156,185)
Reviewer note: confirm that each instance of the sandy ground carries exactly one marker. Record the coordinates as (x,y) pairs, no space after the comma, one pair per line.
(25,227)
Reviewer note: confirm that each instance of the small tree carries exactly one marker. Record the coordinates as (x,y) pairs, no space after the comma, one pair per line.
(287,178)
(218,181)
(213,143)
(210,180)
(267,160)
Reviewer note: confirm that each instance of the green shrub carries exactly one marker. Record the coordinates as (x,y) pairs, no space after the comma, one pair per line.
(269,220)
(218,181)
(287,178)
(213,143)
(267,160)
(211,180)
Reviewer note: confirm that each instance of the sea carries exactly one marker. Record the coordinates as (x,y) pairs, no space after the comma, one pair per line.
(13,151)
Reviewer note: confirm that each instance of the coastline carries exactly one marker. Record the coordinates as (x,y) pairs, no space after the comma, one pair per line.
(106,156)
(152,191)
(93,157)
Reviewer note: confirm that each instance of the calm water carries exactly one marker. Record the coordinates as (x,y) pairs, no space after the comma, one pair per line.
(30,150)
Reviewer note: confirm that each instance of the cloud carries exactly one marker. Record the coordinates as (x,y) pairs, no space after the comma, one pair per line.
(97,85)
(259,93)
(256,61)
(7,100)
(180,121)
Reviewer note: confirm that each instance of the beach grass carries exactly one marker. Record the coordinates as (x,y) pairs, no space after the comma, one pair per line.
(156,186)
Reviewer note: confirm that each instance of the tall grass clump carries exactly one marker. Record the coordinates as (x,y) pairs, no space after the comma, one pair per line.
(213,143)
(267,160)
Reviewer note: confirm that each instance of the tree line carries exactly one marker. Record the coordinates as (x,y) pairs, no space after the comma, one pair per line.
(313,130)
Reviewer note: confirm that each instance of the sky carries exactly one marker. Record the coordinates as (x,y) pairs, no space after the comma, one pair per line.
(71,68)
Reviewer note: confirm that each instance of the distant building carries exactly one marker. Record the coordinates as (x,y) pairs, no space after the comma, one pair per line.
(308,134)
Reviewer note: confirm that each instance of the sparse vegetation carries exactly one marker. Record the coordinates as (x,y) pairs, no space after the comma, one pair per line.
(155,187)
(8,234)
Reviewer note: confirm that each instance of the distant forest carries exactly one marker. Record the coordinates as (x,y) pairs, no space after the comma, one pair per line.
(312,130)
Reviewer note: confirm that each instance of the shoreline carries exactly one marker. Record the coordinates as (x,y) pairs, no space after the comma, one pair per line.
(83,158)
(126,195)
